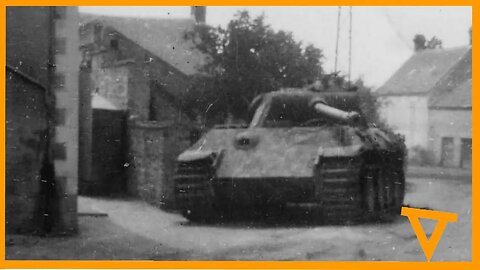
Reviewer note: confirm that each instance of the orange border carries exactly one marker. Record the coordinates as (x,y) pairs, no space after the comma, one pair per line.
(245,264)
(242,2)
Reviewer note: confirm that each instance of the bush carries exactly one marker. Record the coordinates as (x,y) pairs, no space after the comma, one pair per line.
(420,156)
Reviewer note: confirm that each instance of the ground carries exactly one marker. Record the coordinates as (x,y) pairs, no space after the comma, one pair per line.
(136,230)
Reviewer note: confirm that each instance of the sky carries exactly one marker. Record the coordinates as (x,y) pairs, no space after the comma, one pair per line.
(381,36)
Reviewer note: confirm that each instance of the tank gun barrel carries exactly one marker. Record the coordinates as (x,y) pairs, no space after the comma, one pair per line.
(336,114)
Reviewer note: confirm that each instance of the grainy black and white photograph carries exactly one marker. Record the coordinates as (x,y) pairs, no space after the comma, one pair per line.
(224,133)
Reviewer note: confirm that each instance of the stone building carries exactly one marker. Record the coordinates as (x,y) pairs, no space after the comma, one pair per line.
(417,101)
(141,67)
(42,119)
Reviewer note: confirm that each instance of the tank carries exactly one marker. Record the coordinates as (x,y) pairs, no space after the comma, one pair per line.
(303,149)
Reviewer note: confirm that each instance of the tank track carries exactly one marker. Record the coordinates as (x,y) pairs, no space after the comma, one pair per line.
(354,191)
(348,190)
(193,191)
(339,191)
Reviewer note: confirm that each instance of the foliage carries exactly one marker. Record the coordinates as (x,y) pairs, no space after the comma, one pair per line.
(245,59)
(369,105)
(434,43)
(249,58)
(421,157)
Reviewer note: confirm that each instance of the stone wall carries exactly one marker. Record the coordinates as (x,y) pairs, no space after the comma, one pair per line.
(28,40)
(154,147)
(26,129)
(146,177)
(125,75)
(149,90)
(42,109)
(66,90)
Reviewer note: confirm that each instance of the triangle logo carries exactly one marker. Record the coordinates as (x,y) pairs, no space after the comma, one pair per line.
(428,245)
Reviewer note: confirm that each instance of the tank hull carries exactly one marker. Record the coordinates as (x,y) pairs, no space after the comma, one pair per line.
(332,184)
(338,171)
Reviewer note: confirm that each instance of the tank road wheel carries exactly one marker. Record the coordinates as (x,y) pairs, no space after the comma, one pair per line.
(383,192)
(397,182)
(370,198)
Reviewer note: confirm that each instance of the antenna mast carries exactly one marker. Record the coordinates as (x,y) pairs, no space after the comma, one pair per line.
(338,38)
(350,47)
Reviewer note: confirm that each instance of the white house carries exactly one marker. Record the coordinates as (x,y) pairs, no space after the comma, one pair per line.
(411,96)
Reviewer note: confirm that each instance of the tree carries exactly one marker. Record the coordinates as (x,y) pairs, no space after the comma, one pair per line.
(248,58)
(245,59)
(434,43)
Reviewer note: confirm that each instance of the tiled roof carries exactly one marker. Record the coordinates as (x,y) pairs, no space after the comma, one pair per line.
(459,97)
(454,90)
(422,71)
(162,37)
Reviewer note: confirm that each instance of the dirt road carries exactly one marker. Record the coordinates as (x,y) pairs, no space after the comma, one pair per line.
(136,230)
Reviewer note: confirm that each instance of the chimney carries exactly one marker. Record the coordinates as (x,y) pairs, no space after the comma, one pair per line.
(419,42)
(198,13)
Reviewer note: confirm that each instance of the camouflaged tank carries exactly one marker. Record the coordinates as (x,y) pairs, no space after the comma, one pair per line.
(304,149)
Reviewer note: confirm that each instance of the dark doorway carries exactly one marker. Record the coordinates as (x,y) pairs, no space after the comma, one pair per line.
(447,152)
(466,154)
(109,148)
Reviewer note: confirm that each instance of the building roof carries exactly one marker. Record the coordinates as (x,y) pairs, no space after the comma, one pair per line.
(458,98)
(162,37)
(454,90)
(423,71)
